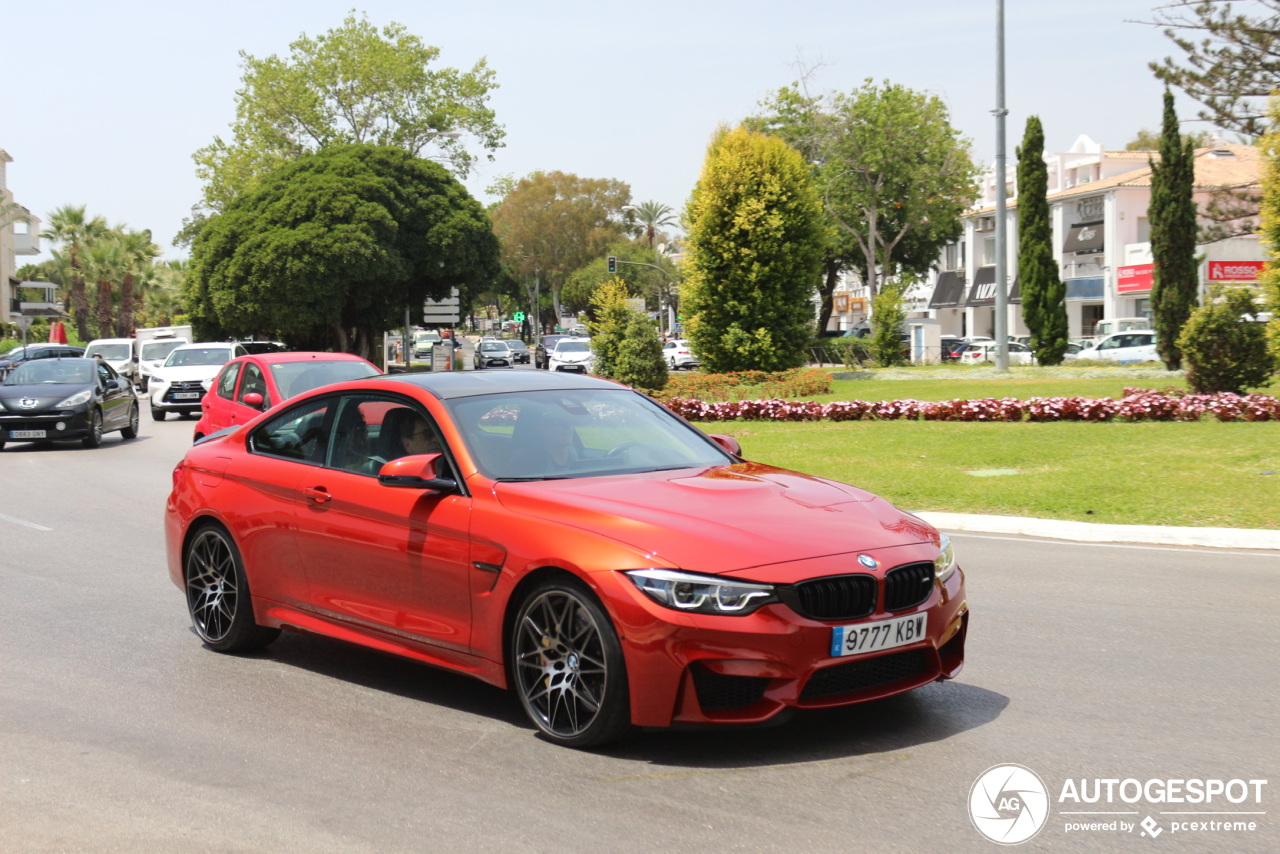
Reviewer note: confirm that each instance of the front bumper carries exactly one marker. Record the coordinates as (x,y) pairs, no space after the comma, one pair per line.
(58,426)
(698,669)
(174,397)
(575,367)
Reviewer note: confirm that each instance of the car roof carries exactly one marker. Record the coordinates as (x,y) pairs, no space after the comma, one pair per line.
(300,357)
(200,345)
(451,384)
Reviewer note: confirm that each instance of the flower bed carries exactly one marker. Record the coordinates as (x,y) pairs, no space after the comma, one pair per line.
(800,382)
(1138,404)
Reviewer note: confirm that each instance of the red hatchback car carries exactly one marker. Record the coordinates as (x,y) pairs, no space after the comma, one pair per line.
(248,385)
(568,538)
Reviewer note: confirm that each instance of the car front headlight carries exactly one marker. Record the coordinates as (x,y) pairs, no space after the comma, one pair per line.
(77,399)
(945,563)
(701,594)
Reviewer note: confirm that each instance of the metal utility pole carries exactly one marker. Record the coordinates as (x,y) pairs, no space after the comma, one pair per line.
(1002,235)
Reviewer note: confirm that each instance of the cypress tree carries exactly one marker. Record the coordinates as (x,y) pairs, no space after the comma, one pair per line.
(1044,306)
(1176,279)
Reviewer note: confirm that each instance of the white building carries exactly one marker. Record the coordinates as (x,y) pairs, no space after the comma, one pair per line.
(16,239)
(1098,204)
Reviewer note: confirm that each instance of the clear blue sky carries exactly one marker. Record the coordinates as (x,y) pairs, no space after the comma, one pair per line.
(103,103)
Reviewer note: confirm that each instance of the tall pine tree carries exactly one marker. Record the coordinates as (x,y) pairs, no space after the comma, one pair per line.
(1176,280)
(1044,306)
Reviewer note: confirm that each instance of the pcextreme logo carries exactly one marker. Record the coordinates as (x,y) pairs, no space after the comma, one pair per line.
(1009,804)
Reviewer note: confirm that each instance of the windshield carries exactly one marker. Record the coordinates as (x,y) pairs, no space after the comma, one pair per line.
(39,371)
(489,346)
(293,378)
(154,351)
(115,352)
(198,356)
(426,337)
(537,435)
(573,347)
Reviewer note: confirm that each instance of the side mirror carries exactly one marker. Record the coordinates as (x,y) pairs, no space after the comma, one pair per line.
(726,443)
(252,399)
(420,471)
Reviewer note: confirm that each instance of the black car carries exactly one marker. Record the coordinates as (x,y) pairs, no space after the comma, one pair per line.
(519,350)
(542,353)
(58,400)
(18,355)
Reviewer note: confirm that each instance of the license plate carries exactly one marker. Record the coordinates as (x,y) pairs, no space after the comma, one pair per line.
(185,395)
(882,634)
(26,434)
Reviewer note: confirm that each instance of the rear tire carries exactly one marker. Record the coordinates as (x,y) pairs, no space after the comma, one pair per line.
(131,431)
(218,597)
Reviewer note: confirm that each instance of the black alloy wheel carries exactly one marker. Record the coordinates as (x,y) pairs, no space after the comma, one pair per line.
(567,666)
(218,594)
(94,437)
(130,431)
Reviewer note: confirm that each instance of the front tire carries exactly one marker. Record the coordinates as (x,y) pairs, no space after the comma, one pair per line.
(218,594)
(158,414)
(94,439)
(567,666)
(131,431)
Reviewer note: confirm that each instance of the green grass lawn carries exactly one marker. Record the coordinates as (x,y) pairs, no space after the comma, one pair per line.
(1158,473)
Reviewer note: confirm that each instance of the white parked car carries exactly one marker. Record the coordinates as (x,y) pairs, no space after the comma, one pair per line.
(1132,346)
(678,355)
(572,354)
(985,351)
(181,382)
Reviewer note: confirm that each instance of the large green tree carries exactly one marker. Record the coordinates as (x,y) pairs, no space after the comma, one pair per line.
(331,249)
(1231,58)
(896,176)
(753,256)
(1044,306)
(353,84)
(1172,213)
(553,223)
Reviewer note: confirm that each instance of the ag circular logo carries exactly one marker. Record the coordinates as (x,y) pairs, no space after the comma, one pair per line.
(1008,804)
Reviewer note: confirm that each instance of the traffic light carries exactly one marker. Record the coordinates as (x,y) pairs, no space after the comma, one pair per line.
(613,263)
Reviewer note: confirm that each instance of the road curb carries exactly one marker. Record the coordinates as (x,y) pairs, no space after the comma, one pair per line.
(1091,532)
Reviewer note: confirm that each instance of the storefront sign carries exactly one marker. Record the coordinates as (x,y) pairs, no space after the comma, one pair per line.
(1134,279)
(840,302)
(1235,271)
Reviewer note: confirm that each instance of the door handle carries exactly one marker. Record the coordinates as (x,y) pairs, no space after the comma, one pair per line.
(316,493)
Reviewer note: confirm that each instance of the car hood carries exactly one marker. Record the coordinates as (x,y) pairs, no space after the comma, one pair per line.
(186,373)
(721,519)
(48,394)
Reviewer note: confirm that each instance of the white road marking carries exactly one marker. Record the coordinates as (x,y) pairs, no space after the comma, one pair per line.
(23,522)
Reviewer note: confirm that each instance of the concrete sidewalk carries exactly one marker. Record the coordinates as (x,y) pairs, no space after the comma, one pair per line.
(1089,532)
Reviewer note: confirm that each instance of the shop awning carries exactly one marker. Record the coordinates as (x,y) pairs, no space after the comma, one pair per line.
(949,292)
(1085,238)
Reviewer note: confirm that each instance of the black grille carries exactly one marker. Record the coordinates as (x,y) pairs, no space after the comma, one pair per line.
(184,386)
(907,586)
(864,674)
(837,597)
(717,691)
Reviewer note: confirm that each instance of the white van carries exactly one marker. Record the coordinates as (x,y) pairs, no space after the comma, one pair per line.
(116,352)
(1113,325)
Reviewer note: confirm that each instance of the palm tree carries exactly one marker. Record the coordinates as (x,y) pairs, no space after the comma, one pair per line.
(647,218)
(71,226)
(103,259)
(138,255)
(11,212)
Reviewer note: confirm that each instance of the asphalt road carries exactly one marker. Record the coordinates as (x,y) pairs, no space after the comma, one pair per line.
(121,733)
